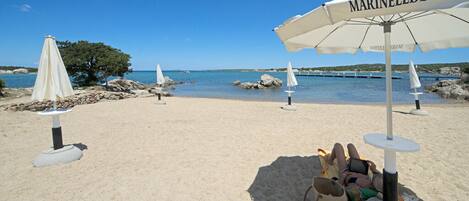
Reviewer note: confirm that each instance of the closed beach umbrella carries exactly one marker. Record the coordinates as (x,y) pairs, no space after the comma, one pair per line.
(53,83)
(415,84)
(52,80)
(413,77)
(159,75)
(291,82)
(347,26)
(291,79)
(159,81)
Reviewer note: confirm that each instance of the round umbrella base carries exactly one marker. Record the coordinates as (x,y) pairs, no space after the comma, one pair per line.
(53,112)
(398,144)
(66,154)
(419,112)
(160,103)
(416,93)
(289,107)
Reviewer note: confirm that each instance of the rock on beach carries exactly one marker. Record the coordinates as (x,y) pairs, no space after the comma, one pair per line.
(454,89)
(266,81)
(116,90)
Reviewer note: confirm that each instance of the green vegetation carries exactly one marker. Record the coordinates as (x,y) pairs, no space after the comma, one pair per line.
(465,70)
(90,63)
(30,69)
(2,85)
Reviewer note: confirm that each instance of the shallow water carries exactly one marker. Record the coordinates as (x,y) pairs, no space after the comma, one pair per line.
(217,84)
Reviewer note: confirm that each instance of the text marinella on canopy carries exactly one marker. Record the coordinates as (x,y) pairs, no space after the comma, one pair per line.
(359,5)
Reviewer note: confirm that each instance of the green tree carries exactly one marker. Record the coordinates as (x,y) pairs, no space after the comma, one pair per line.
(465,70)
(2,85)
(91,63)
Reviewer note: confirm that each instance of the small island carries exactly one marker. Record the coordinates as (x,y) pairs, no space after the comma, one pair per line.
(17,70)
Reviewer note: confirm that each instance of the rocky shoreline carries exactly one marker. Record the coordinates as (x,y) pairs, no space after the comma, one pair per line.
(115,90)
(80,98)
(451,89)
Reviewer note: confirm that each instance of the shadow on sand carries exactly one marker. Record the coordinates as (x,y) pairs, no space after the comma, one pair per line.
(401,112)
(287,178)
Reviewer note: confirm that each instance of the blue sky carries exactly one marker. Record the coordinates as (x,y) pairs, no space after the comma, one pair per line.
(178,34)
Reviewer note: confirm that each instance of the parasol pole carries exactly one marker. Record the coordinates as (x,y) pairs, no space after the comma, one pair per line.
(417,101)
(56,129)
(390,172)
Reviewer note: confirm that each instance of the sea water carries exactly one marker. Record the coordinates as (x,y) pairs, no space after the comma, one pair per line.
(218,84)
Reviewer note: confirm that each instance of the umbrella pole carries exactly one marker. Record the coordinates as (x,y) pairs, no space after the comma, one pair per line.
(56,130)
(390,173)
(289,96)
(417,101)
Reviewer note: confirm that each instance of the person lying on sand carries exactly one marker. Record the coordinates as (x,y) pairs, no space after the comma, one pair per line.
(355,182)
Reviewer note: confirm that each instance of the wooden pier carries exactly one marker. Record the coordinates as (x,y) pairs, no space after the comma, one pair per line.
(345,75)
(370,75)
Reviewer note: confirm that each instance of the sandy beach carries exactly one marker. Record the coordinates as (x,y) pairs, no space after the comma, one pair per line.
(212,149)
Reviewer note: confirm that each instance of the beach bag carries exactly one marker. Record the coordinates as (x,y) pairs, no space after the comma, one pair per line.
(328,171)
(325,189)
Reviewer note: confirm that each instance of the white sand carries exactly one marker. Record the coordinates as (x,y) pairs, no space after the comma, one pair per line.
(209,149)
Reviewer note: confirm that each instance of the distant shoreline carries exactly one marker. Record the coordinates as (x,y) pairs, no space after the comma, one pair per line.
(430,67)
(12,68)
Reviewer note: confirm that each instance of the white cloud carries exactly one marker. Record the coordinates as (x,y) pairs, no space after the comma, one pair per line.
(25,8)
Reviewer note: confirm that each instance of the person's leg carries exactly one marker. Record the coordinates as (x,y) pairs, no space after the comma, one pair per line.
(339,154)
(352,151)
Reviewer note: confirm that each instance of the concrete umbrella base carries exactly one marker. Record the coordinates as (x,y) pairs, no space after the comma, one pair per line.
(419,112)
(63,155)
(289,107)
